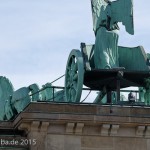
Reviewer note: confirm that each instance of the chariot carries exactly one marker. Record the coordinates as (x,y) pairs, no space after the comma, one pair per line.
(105,66)
(80,70)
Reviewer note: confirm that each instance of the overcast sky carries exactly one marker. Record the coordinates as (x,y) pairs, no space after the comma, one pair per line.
(36,36)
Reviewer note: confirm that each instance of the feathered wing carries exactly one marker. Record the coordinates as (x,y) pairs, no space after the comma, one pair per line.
(122,11)
(98,12)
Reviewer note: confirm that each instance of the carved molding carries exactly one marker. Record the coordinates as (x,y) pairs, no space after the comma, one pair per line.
(35,125)
(114,130)
(140,130)
(79,128)
(105,129)
(70,127)
(25,126)
(44,126)
(147,132)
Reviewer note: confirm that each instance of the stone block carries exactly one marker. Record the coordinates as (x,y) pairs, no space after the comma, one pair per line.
(55,142)
(96,142)
(147,132)
(70,127)
(72,142)
(129,144)
(114,130)
(140,131)
(35,126)
(105,129)
(44,126)
(57,129)
(79,128)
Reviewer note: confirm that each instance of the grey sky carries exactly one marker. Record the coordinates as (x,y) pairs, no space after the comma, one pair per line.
(36,36)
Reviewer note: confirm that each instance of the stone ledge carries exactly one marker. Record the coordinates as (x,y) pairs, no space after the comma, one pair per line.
(84,113)
(83,119)
(6,124)
(116,110)
(64,108)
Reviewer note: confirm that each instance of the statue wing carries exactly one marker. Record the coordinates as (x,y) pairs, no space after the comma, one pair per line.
(122,11)
(98,12)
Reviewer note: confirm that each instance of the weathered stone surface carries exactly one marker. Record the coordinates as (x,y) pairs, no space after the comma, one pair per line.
(129,144)
(98,129)
(55,142)
(96,142)
(12,148)
(72,142)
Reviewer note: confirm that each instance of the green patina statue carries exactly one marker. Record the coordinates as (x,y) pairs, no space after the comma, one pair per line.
(106,15)
(105,66)
(47,94)
(13,102)
(99,66)
(18,100)
(147,91)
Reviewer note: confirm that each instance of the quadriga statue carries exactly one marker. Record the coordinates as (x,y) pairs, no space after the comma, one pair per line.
(19,99)
(13,102)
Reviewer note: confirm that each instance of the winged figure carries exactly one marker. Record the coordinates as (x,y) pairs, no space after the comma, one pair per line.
(106,14)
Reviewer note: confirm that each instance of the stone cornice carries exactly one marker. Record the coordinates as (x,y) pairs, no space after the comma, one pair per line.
(84,119)
(85,113)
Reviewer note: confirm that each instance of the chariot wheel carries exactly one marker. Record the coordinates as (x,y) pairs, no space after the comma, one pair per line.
(74,77)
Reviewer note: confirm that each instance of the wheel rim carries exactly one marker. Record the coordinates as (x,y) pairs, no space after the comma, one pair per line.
(74,77)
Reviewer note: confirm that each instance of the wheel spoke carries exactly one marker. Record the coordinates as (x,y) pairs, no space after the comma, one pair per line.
(75,67)
(72,63)
(68,84)
(69,94)
(75,77)
(73,94)
(68,71)
(75,85)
